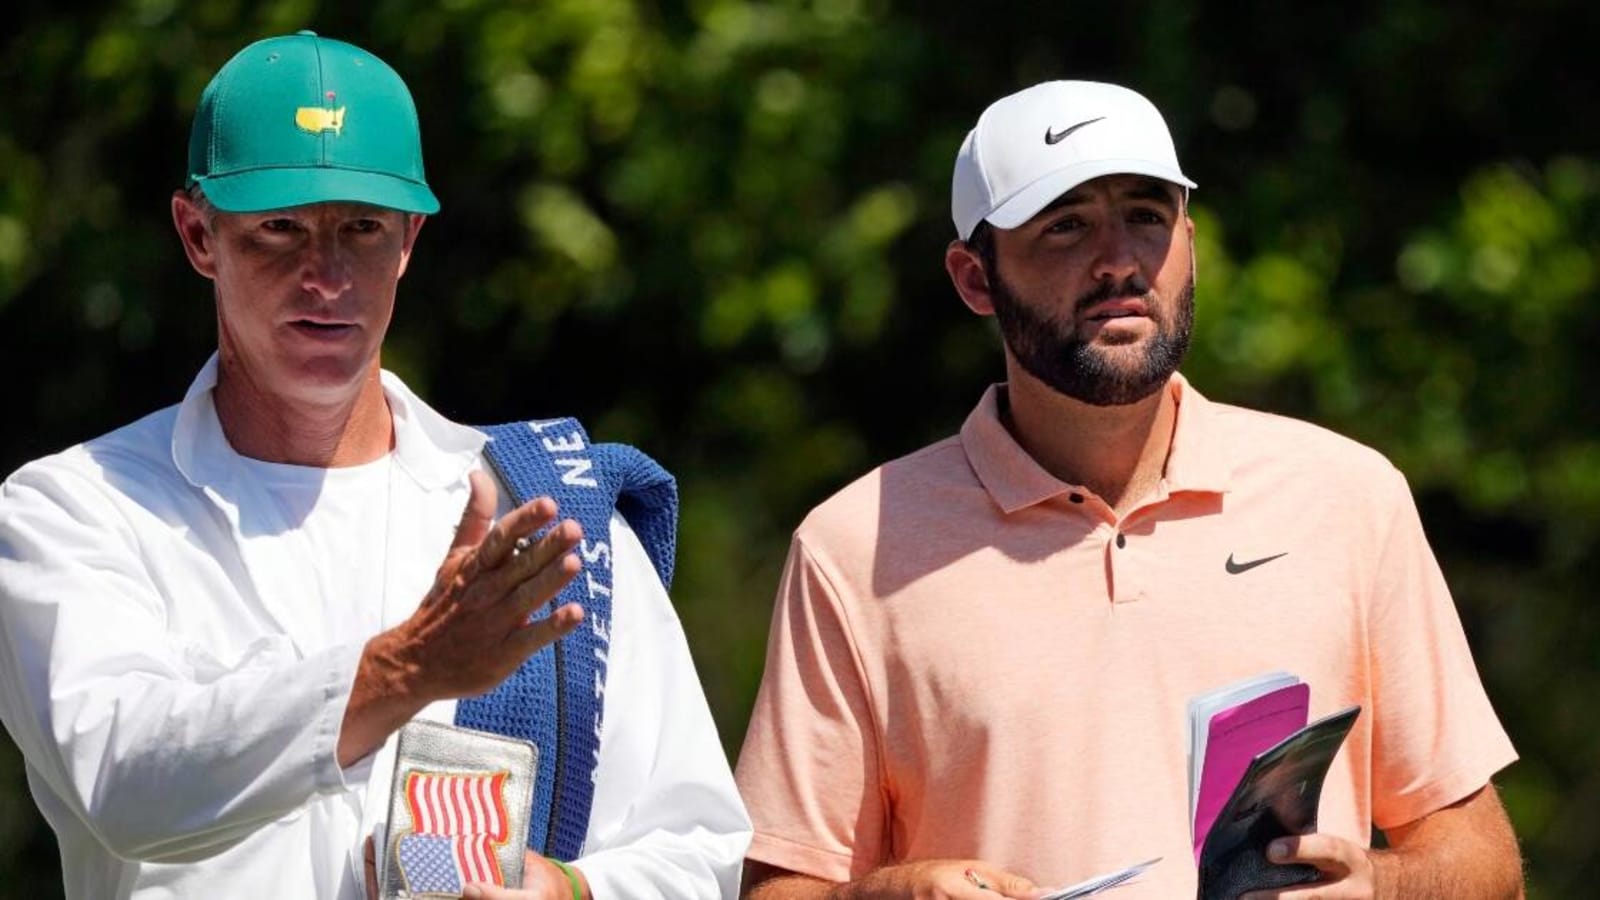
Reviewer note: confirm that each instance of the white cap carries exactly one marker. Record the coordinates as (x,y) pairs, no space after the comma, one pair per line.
(1035,145)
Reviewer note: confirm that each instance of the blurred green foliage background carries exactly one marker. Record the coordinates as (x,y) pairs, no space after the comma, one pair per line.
(741,207)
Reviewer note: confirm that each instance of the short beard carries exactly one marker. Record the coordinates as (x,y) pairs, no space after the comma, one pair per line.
(1052,353)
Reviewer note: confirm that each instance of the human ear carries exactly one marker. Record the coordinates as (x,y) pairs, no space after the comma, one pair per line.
(413,225)
(969,276)
(194,231)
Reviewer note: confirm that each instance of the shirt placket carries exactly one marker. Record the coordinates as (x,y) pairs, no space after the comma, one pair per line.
(1122,551)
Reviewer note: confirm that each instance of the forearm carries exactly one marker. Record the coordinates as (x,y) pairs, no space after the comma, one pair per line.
(140,694)
(1468,871)
(170,771)
(888,883)
(792,887)
(1466,851)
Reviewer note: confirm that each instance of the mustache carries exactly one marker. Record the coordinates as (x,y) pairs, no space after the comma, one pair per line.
(1134,287)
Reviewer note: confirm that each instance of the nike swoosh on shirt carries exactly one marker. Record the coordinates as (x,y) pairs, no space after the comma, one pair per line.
(1056,137)
(1234,568)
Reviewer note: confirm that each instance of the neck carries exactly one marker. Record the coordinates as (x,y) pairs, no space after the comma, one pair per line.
(1118,452)
(345,430)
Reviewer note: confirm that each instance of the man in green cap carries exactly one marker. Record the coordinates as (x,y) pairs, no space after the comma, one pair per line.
(214,620)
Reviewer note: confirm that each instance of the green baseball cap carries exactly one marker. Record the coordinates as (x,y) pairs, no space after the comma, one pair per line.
(304,119)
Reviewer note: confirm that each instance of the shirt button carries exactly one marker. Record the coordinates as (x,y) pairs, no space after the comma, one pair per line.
(1122,540)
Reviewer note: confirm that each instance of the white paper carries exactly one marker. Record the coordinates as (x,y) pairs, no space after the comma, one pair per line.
(1100,882)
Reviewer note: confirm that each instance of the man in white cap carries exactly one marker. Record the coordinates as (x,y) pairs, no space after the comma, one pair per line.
(214,620)
(981,653)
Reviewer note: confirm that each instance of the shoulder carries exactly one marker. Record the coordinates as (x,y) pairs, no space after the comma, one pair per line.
(102,493)
(134,459)
(889,507)
(938,467)
(1300,474)
(1261,440)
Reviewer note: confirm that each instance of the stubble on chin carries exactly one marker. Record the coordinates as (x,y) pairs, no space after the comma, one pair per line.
(1115,370)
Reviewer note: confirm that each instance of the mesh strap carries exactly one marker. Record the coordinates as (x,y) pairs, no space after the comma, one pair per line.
(557,698)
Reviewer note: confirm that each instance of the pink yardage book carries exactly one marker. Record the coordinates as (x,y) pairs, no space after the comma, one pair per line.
(1236,736)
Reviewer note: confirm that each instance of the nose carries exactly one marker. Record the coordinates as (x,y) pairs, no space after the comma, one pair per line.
(1115,259)
(325,268)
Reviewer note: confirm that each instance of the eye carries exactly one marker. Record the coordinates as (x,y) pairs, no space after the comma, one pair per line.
(1064,225)
(280,226)
(366,226)
(1147,217)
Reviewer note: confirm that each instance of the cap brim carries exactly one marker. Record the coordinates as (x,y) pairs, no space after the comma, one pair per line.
(1026,203)
(262,189)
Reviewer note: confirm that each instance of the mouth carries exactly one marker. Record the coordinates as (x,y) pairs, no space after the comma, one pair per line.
(322,328)
(1126,308)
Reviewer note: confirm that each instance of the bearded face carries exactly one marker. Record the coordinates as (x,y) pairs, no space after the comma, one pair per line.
(1100,373)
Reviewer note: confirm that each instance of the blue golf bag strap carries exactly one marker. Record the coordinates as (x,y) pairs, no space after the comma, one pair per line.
(557,698)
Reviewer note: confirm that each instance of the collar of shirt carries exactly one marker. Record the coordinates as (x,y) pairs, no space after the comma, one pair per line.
(431,449)
(1015,480)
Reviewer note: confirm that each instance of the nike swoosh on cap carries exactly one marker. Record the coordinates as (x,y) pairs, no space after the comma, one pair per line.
(1056,137)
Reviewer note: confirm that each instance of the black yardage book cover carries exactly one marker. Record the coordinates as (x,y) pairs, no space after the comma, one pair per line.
(1277,797)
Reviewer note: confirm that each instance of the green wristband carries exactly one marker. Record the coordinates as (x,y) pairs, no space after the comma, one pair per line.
(572,877)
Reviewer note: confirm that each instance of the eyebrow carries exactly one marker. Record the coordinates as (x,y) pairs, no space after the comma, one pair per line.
(1153,189)
(1144,188)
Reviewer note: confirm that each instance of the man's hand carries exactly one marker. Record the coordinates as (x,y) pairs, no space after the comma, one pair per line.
(1464,851)
(541,880)
(934,879)
(472,629)
(954,879)
(1347,870)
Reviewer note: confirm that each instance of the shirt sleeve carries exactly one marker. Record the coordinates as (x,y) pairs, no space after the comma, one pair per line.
(161,753)
(666,821)
(810,770)
(1435,737)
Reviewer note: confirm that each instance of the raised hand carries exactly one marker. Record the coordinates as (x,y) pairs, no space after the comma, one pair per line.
(472,628)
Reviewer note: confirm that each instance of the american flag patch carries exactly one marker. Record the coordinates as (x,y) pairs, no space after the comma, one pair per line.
(458,821)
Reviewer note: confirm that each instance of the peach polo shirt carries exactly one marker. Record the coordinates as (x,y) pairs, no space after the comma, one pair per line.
(971,658)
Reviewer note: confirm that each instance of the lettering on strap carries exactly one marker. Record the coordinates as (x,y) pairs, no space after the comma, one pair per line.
(557,698)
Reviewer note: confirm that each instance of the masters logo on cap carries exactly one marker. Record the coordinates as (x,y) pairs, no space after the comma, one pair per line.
(304,119)
(316,118)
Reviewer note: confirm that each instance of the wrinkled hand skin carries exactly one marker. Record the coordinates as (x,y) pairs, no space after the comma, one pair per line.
(471,630)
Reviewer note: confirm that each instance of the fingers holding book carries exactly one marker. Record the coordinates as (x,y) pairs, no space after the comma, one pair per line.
(1346,869)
